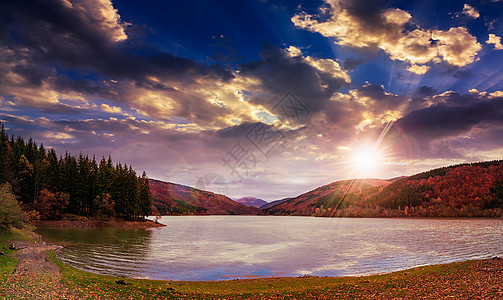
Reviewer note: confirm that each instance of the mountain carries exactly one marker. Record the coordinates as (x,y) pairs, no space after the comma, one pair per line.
(275,202)
(322,199)
(175,199)
(465,190)
(251,201)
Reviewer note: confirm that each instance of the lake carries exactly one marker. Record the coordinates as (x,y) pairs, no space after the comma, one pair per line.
(228,247)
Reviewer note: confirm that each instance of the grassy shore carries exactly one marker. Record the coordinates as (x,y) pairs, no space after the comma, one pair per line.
(478,279)
(463,280)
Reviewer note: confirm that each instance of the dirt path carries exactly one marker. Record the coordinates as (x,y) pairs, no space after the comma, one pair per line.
(36,277)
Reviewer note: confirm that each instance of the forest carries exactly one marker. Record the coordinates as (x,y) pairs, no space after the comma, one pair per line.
(465,190)
(47,186)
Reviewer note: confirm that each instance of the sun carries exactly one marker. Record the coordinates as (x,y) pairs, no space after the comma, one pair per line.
(367,160)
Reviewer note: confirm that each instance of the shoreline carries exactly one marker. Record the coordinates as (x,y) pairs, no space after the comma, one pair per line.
(38,273)
(146,223)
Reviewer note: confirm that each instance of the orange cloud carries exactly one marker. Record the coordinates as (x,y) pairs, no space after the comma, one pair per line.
(470,11)
(496,40)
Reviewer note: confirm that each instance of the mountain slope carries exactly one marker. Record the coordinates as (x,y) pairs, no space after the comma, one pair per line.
(273,203)
(466,190)
(170,198)
(323,199)
(251,201)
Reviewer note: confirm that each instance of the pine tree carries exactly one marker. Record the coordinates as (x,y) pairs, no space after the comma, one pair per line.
(53,180)
(25,180)
(76,185)
(145,196)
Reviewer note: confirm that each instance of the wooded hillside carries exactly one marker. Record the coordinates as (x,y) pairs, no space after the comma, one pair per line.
(466,190)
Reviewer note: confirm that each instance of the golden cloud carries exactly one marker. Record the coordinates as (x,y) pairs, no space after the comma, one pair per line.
(496,40)
(470,11)
(111,109)
(418,47)
(102,14)
(456,46)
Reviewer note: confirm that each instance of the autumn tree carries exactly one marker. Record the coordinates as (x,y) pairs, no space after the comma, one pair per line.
(51,205)
(10,211)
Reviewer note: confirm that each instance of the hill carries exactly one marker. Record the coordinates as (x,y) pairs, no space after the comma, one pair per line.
(175,199)
(465,190)
(275,202)
(251,201)
(321,201)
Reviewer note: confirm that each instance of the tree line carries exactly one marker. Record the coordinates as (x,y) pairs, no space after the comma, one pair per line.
(48,186)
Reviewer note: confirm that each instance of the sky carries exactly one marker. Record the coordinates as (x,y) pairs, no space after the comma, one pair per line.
(262,98)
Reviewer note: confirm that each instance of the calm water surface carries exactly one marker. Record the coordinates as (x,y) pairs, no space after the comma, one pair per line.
(228,247)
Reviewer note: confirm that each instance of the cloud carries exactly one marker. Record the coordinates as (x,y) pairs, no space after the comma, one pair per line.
(57,135)
(424,91)
(453,118)
(45,39)
(101,14)
(312,80)
(111,109)
(101,91)
(496,40)
(470,11)
(418,69)
(89,35)
(456,46)
(42,40)
(360,24)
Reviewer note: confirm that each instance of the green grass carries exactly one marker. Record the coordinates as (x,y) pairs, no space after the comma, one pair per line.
(16,234)
(7,263)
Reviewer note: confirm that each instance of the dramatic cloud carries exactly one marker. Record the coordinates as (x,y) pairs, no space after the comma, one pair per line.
(361,24)
(470,11)
(453,117)
(312,81)
(496,40)
(90,36)
(131,79)
(78,78)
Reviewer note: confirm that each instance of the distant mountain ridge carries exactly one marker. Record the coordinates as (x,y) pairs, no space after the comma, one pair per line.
(251,201)
(176,199)
(275,202)
(465,190)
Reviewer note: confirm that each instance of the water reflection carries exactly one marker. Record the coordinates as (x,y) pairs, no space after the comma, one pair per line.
(226,247)
(110,251)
